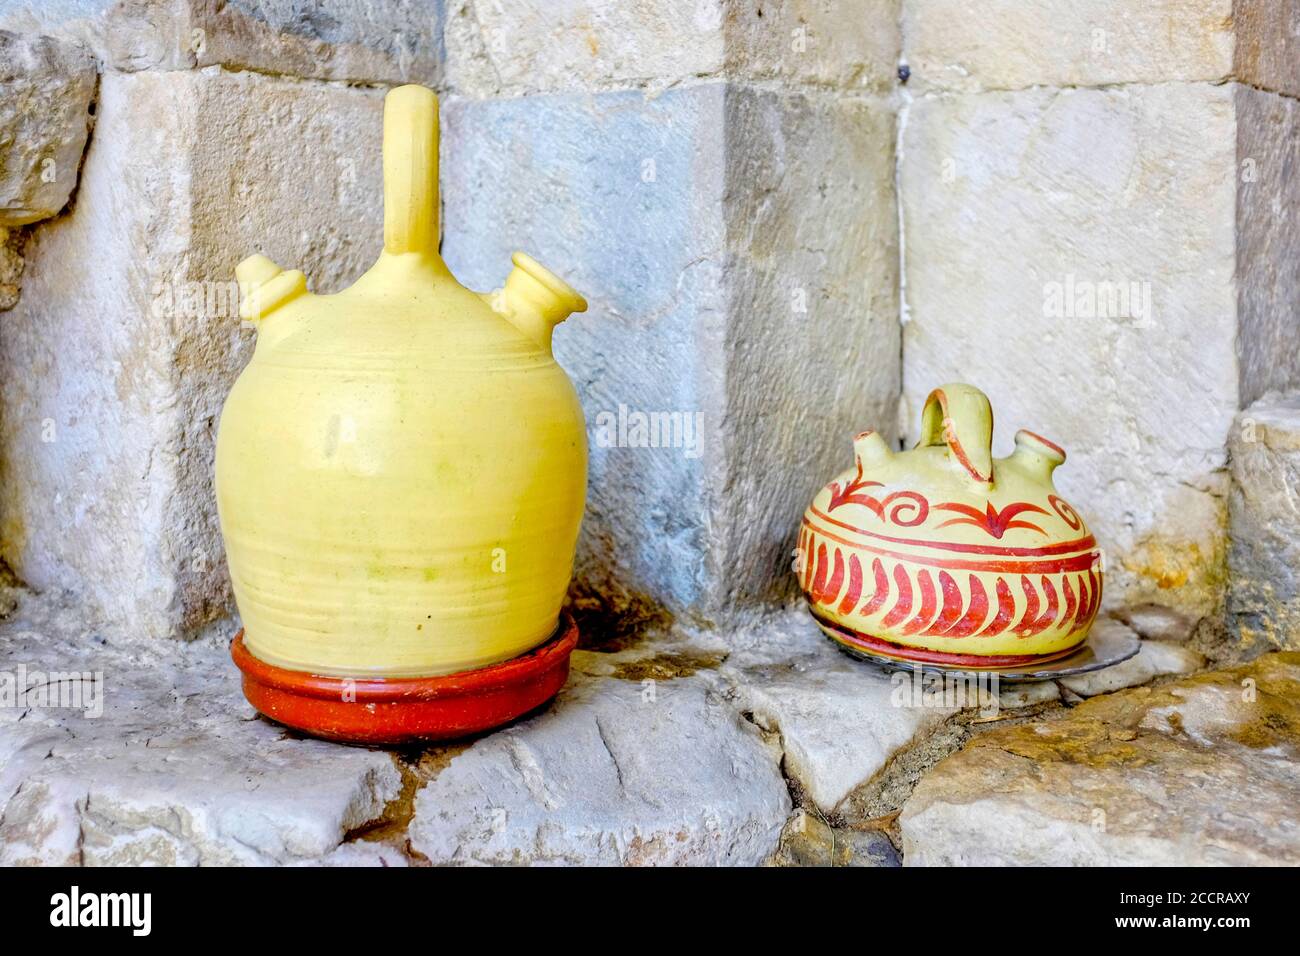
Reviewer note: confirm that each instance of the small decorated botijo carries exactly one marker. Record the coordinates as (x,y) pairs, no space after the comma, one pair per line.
(943,555)
(401,474)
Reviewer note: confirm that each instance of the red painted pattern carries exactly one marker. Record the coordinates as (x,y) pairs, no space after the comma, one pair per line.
(907,509)
(1064,547)
(1068,514)
(891,649)
(975,613)
(919,595)
(854,592)
(903,606)
(1051,565)
(996,523)
(929,603)
(880,593)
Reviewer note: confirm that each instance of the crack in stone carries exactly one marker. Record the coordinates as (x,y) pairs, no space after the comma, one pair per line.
(618,770)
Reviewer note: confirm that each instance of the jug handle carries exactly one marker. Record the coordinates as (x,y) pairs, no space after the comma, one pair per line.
(411,171)
(960,417)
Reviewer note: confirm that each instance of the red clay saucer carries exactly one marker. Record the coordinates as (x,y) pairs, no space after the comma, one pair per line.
(407,709)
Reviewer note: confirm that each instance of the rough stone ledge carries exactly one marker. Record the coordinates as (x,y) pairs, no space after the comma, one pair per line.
(168,765)
(668,748)
(1200,771)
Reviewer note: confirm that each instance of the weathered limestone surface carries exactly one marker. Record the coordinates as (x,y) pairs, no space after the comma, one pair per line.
(1267,49)
(1200,771)
(808,840)
(46,87)
(1008,44)
(1155,622)
(1268,236)
(839,721)
(632,771)
(174,769)
(126,340)
(11,267)
(696,223)
(532,46)
(1075,198)
(1264,561)
(393,41)
(669,751)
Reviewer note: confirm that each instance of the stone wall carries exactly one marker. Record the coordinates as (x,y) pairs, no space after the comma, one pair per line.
(718,179)
(1101,216)
(220,130)
(1096,221)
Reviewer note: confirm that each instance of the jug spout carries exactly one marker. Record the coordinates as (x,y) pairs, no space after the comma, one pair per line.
(535,300)
(870,449)
(265,287)
(1036,456)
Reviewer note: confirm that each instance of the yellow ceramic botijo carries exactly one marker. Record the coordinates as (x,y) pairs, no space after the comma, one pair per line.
(401,467)
(943,554)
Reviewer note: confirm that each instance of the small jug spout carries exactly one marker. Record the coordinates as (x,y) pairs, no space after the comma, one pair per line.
(535,300)
(870,449)
(1037,456)
(264,287)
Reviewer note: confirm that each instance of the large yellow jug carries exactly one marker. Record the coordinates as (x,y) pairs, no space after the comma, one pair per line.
(401,468)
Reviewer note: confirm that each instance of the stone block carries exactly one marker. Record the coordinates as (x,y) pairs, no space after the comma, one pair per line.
(808,840)
(535,46)
(1198,772)
(840,721)
(46,88)
(1074,253)
(697,225)
(1264,513)
(615,772)
(378,41)
(1266,52)
(130,753)
(1268,239)
(127,338)
(1008,44)
(11,267)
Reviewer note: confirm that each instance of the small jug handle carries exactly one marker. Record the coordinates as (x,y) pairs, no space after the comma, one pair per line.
(960,417)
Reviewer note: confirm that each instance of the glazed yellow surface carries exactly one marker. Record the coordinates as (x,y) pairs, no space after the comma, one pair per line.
(401,468)
(945,521)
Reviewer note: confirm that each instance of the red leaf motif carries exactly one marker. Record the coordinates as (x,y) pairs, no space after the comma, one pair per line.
(996,523)
(832,588)
(952,605)
(904,605)
(928,603)
(855,585)
(819,576)
(1006,608)
(849,494)
(880,594)
(974,616)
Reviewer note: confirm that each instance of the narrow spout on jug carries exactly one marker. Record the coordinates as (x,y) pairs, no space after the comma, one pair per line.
(535,300)
(264,287)
(1036,455)
(411,171)
(870,449)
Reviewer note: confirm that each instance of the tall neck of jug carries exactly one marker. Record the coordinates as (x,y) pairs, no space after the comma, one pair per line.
(411,172)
